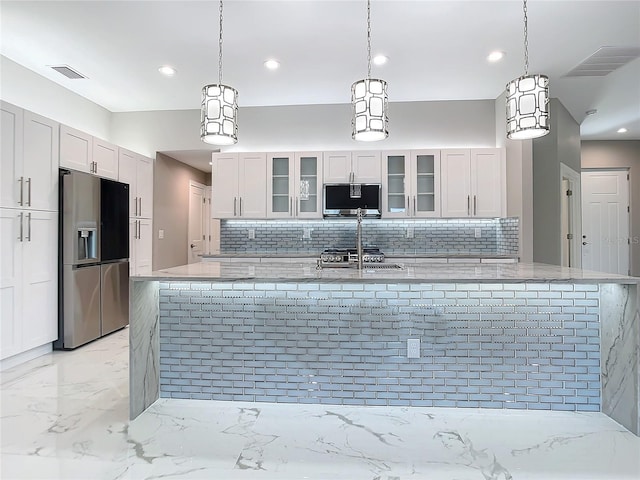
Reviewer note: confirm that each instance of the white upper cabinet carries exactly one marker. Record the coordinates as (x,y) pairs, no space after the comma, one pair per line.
(137,171)
(352,167)
(411,183)
(239,185)
(489,182)
(11,181)
(105,159)
(29,160)
(294,181)
(41,149)
(76,150)
(473,183)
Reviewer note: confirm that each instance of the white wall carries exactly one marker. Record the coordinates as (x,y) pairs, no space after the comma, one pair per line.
(27,89)
(313,127)
(519,155)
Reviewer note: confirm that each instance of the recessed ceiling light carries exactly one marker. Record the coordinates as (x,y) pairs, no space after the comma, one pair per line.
(622,130)
(495,56)
(167,70)
(593,111)
(272,64)
(380,59)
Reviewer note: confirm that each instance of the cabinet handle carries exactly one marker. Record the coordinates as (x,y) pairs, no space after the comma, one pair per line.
(28,227)
(475,206)
(140,208)
(29,191)
(135,207)
(95,167)
(468,205)
(240,206)
(234,206)
(21,201)
(408,211)
(21,237)
(297,203)
(291,206)
(414,206)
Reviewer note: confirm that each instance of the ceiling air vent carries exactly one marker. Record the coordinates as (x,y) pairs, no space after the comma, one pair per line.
(605,61)
(67,71)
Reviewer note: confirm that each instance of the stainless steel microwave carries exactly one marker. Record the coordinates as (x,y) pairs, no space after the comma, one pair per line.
(344,199)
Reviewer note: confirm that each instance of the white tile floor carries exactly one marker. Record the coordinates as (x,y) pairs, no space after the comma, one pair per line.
(64,416)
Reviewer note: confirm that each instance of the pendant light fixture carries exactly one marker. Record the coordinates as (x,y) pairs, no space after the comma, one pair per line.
(527,100)
(369,101)
(219,107)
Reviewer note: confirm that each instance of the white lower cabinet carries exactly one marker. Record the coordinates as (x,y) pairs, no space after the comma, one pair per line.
(140,246)
(28,280)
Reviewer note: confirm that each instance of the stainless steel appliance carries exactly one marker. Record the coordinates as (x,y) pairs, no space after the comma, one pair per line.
(344,199)
(347,257)
(93,258)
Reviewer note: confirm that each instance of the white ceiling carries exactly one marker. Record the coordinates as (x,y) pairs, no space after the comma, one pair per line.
(436,51)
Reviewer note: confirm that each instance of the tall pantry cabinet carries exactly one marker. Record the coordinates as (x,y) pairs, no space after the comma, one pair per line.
(137,171)
(28,233)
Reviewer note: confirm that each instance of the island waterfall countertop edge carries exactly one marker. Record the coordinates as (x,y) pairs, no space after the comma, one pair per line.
(306,272)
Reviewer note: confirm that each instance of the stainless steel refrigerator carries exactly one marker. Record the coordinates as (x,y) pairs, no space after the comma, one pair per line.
(93,258)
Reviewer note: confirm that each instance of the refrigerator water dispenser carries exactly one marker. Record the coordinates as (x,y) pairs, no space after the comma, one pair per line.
(87,239)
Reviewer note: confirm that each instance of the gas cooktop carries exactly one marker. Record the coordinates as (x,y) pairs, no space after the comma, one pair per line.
(343,257)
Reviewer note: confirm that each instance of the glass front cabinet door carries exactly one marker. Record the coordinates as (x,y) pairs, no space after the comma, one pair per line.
(411,183)
(294,184)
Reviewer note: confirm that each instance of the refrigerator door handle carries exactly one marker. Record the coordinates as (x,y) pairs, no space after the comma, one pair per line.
(21,237)
(28,227)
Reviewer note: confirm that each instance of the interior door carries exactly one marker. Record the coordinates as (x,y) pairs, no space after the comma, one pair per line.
(605,221)
(195,227)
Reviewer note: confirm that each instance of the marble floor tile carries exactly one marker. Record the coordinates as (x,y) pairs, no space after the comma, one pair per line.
(65,416)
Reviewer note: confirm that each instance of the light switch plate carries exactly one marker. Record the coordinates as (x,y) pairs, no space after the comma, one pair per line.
(252,233)
(478,232)
(160,234)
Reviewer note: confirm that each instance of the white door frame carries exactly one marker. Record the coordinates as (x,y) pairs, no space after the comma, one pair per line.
(192,184)
(575,214)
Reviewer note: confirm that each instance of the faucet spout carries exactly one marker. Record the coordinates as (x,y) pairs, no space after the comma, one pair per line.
(359,238)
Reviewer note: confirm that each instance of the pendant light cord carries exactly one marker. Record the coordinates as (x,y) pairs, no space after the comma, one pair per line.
(368,38)
(526,41)
(220,49)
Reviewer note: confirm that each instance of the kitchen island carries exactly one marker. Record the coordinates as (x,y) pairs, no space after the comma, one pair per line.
(522,336)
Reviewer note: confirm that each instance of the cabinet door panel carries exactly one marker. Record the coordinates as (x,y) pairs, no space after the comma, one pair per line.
(253,185)
(41,149)
(489,182)
(425,188)
(280,195)
(76,151)
(144,247)
(10,282)
(396,184)
(224,185)
(127,174)
(336,167)
(105,155)
(40,279)
(307,185)
(144,186)
(455,169)
(366,167)
(11,155)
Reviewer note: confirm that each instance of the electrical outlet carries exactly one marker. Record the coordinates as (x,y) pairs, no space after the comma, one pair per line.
(306,233)
(478,232)
(160,234)
(413,348)
(251,233)
(409,232)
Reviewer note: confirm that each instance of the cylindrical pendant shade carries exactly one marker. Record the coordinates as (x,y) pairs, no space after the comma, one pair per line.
(369,102)
(219,124)
(528,107)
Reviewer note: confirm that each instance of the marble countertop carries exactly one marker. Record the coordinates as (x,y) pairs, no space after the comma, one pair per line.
(391,255)
(411,273)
